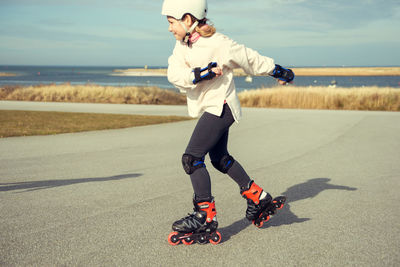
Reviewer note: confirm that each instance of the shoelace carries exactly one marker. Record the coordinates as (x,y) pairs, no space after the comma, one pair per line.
(190,215)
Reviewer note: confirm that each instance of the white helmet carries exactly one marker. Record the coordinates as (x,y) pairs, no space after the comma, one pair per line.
(178,8)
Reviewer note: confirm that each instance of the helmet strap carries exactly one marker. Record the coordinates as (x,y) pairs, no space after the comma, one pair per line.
(186,39)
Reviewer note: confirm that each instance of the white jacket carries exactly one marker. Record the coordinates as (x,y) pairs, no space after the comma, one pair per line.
(210,95)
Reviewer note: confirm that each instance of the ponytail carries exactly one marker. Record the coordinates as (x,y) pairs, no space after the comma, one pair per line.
(204,29)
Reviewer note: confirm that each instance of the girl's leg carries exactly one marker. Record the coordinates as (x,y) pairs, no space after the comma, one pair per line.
(220,158)
(206,135)
(260,205)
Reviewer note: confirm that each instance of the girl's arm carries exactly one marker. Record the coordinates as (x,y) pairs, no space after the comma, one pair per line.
(253,63)
(179,74)
(239,56)
(186,78)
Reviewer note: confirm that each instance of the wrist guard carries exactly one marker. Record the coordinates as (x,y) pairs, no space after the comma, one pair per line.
(283,74)
(207,76)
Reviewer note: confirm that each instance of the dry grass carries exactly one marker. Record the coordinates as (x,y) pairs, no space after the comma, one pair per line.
(93,94)
(368,98)
(25,123)
(362,98)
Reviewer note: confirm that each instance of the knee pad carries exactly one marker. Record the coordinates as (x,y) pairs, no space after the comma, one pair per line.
(224,164)
(191,163)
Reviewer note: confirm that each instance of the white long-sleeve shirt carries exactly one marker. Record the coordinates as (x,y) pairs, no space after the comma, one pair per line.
(210,95)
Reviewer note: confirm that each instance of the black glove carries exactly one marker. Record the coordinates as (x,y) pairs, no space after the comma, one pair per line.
(208,76)
(286,75)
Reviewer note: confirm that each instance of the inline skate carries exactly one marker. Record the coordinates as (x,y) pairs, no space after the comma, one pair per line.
(260,205)
(200,226)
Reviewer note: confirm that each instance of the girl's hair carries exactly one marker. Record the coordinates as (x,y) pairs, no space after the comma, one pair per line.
(207,31)
(204,29)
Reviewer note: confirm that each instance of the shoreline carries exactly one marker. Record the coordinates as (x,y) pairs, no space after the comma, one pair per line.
(328,71)
(7,74)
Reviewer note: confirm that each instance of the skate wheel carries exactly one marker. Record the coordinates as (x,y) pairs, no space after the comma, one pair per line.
(216,238)
(265,218)
(279,202)
(173,238)
(278,205)
(187,241)
(258,224)
(202,240)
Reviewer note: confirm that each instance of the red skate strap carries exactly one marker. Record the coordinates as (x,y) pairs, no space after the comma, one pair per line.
(208,207)
(253,193)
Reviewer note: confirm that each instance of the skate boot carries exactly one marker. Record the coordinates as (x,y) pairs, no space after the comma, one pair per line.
(200,226)
(260,205)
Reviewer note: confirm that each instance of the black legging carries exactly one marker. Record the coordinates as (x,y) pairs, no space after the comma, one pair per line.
(211,136)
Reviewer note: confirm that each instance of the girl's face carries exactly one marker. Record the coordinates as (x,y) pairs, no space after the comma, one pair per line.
(176,28)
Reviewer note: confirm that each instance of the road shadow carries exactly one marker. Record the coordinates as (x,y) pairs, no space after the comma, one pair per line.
(309,189)
(39,185)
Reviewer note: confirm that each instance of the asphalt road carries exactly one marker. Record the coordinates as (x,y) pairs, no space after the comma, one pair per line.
(109,197)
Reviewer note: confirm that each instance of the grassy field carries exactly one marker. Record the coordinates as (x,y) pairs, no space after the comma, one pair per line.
(368,98)
(93,94)
(21,123)
(25,123)
(362,98)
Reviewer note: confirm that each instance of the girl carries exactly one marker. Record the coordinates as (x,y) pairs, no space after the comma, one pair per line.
(202,66)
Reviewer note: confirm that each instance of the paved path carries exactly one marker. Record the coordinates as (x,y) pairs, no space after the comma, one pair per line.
(95,108)
(110,197)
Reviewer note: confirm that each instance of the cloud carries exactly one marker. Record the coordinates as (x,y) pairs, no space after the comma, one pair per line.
(135,4)
(32,44)
(307,22)
(134,26)
(311,15)
(56,22)
(104,22)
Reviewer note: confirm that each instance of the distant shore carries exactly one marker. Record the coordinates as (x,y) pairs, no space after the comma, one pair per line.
(6,74)
(328,71)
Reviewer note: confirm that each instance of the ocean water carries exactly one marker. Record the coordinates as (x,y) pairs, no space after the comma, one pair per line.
(34,75)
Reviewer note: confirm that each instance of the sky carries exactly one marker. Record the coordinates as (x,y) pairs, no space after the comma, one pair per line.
(134,33)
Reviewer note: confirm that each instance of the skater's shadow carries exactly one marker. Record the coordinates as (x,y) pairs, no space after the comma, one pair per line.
(39,185)
(309,189)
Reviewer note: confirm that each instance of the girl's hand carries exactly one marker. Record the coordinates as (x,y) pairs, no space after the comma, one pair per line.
(218,71)
(283,82)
